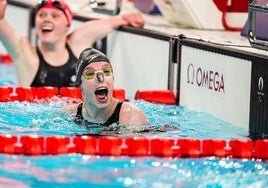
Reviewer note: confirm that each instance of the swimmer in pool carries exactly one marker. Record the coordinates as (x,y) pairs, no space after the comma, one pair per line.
(52,62)
(94,75)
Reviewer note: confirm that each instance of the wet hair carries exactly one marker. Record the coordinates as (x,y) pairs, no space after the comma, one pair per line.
(88,56)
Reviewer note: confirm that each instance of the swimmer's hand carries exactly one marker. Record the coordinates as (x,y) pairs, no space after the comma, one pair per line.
(134,19)
(3,5)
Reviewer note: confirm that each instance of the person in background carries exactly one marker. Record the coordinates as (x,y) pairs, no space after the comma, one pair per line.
(52,62)
(94,74)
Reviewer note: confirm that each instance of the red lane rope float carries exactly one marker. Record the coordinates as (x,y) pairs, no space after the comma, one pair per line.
(133,146)
(5,95)
(215,147)
(5,58)
(34,93)
(119,94)
(156,96)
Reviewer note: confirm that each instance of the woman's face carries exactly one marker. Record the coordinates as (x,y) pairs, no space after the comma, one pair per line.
(98,84)
(51,24)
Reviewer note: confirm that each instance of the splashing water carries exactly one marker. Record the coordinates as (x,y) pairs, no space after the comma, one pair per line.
(46,118)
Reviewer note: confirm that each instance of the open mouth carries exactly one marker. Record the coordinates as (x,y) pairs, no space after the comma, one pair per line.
(101,93)
(47,29)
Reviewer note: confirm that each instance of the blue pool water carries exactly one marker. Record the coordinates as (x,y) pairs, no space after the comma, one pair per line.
(76,170)
(91,171)
(8,75)
(47,119)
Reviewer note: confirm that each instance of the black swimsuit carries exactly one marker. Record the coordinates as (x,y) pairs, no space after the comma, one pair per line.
(60,76)
(114,118)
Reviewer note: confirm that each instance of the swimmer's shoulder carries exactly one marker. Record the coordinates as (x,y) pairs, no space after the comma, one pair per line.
(127,106)
(131,114)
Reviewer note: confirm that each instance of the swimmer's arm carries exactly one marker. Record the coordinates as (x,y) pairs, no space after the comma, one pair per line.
(91,31)
(19,48)
(9,37)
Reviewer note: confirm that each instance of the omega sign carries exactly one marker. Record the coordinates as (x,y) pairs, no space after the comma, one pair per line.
(209,79)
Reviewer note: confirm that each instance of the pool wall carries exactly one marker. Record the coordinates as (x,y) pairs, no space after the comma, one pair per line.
(228,83)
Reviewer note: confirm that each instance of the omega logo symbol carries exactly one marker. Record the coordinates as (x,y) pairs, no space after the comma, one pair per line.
(210,79)
(190,71)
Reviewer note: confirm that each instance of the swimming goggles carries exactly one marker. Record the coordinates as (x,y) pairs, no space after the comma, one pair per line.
(89,74)
(55,3)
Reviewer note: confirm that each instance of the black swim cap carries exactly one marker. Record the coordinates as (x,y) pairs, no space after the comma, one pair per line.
(87,56)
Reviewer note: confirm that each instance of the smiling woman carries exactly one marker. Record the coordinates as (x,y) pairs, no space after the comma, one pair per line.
(53,61)
(94,75)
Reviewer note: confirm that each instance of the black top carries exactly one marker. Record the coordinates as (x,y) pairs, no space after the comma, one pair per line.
(114,118)
(57,76)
